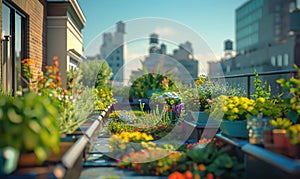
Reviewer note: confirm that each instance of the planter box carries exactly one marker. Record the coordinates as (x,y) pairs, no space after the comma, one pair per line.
(236,128)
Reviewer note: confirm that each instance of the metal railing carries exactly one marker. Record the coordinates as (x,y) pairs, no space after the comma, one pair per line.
(261,74)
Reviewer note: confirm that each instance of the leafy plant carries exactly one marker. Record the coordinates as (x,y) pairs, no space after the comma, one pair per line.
(75,103)
(261,90)
(294,134)
(150,81)
(293,87)
(281,123)
(29,124)
(103,76)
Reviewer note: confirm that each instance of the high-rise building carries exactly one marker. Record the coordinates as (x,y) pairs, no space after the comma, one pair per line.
(112,50)
(185,70)
(267,38)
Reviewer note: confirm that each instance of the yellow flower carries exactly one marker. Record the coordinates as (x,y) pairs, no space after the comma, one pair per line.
(245,106)
(262,100)
(225,109)
(250,109)
(230,106)
(235,110)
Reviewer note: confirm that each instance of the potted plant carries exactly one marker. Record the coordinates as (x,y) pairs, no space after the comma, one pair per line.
(29,124)
(280,140)
(294,141)
(233,111)
(198,100)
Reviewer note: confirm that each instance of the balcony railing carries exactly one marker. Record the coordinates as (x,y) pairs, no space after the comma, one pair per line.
(270,77)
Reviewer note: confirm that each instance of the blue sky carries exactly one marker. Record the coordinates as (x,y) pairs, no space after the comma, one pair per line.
(212,20)
(205,23)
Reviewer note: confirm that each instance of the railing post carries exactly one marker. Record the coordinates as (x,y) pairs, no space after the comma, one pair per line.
(248,86)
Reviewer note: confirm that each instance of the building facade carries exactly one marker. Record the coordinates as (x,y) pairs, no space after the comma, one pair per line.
(65,21)
(185,70)
(24,30)
(264,39)
(112,50)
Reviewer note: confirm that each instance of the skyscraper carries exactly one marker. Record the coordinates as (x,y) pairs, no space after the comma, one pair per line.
(112,50)
(267,38)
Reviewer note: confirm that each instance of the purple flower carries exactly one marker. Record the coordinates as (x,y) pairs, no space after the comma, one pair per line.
(208,100)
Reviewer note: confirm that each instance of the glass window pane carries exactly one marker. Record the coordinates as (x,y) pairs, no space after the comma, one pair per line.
(5,20)
(18,48)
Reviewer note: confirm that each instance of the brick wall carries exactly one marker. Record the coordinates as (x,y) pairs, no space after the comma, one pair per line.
(1,45)
(36,40)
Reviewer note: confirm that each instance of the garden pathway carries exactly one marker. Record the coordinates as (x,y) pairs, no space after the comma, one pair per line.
(97,167)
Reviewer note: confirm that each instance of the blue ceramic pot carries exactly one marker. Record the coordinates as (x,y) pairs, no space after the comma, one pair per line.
(236,128)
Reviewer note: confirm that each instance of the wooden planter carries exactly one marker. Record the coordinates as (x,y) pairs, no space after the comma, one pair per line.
(28,160)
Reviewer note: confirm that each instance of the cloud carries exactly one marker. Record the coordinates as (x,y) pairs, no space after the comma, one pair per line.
(165,31)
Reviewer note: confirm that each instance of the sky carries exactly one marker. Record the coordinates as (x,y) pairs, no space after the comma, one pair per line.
(205,23)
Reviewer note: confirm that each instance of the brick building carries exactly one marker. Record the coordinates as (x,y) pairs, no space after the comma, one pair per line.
(24,33)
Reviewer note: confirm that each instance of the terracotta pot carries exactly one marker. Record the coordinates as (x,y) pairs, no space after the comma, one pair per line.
(268,139)
(280,140)
(293,150)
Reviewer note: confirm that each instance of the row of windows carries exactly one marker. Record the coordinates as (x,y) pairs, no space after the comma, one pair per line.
(251,6)
(112,58)
(246,42)
(280,60)
(255,16)
(112,65)
(247,31)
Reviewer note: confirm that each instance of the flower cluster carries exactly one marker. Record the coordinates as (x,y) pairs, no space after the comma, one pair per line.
(205,161)
(133,136)
(104,98)
(233,107)
(127,142)
(136,161)
(199,98)
(49,84)
(172,98)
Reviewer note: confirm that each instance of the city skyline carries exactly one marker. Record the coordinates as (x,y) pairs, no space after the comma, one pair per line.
(213,21)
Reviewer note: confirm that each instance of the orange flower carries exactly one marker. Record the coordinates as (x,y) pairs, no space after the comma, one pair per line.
(176,175)
(209,176)
(55,61)
(188,175)
(201,167)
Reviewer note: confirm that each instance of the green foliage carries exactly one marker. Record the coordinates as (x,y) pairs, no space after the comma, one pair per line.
(103,76)
(89,70)
(261,90)
(150,81)
(4,93)
(29,124)
(215,159)
(281,123)
(293,103)
(294,134)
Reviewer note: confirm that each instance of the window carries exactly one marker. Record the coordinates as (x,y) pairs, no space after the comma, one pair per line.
(285,59)
(13,47)
(279,60)
(273,61)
